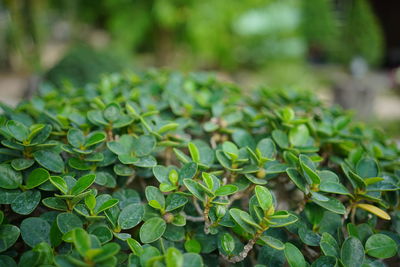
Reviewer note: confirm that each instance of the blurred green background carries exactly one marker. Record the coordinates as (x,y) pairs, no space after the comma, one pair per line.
(344,50)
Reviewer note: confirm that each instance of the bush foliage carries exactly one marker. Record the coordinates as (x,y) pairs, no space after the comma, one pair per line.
(165,169)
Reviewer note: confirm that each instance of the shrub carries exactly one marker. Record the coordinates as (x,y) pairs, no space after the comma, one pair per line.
(162,169)
(82,64)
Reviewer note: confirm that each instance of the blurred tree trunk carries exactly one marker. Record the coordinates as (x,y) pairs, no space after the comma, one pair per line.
(28,33)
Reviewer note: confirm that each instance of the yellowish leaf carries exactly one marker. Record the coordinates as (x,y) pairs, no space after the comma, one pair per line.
(375,210)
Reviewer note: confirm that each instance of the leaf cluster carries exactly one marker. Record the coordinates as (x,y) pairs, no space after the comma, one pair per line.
(165,169)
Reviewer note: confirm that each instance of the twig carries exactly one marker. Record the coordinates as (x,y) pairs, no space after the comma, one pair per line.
(240,195)
(167,155)
(130,179)
(302,205)
(347,213)
(194,219)
(207,222)
(243,254)
(110,136)
(197,207)
(353,215)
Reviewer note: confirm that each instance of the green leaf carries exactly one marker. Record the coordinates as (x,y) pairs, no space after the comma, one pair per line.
(207,155)
(355,180)
(95,138)
(192,245)
(367,168)
(22,164)
(82,241)
(287,114)
(78,164)
(9,178)
(83,183)
(173,176)
(131,216)
(143,145)
(329,245)
(237,217)
(309,237)
(255,180)
(90,202)
(55,203)
(7,196)
(18,130)
(135,246)
(264,197)
(299,135)
(281,138)
(294,256)
(308,168)
(152,230)
(102,232)
(224,160)
(161,173)
(76,137)
(249,220)
(273,242)
(195,189)
(41,136)
(107,205)
(192,260)
(173,257)
(154,204)
(230,150)
(227,243)
(8,236)
(168,127)
(123,146)
(123,170)
(281,219)
(226,190)
(194,152)
(49,160)
(208,180)
(37,177)
(352,252)
(182,157)
(107,251)
(145,162)
(243,139)
(325,261)
(328,176)
(380,246)
(332,204)
(112,112)
(7,261)
(60,183)
(153,193)
(333,188)
(266,148)
(175,201)
(26,202)
(67,222)
(167,187)
(297,179)
(188,171)
(35,230)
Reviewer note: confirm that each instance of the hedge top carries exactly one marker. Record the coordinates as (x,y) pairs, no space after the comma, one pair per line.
(165,169)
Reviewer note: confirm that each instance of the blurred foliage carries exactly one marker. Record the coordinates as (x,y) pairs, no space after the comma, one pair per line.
(361,33)
(205,34)
(322,37)
(83,65)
